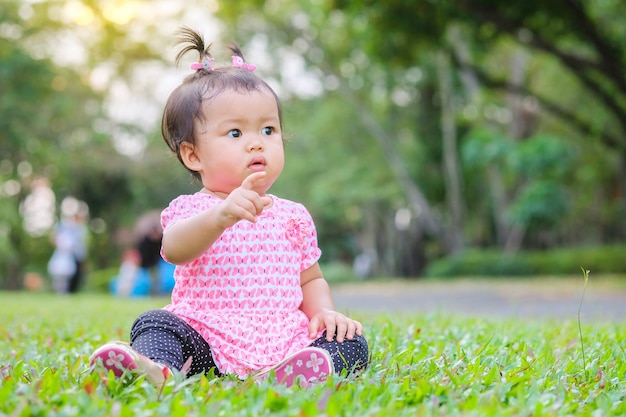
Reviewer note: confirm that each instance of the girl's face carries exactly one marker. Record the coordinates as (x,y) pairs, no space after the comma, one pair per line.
(240,135)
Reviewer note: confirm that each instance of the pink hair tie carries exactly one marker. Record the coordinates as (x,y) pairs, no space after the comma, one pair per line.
(238,62)
(207,64)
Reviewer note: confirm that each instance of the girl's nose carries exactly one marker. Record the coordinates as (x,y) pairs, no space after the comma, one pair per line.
(255,145)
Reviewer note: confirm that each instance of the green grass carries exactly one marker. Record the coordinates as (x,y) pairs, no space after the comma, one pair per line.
(421,365)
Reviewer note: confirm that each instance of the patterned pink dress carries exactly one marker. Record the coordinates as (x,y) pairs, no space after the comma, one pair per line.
(243,294)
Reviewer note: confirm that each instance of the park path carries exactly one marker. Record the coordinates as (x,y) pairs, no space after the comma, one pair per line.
(525,299)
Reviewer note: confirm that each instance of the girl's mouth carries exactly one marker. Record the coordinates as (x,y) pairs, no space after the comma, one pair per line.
(257,164)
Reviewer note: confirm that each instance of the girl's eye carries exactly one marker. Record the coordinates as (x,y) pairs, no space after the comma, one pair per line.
(235,133)
(268,130)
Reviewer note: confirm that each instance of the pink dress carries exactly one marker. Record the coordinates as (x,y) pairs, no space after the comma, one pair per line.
(243,294)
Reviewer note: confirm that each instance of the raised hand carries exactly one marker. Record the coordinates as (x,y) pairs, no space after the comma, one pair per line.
(244,203)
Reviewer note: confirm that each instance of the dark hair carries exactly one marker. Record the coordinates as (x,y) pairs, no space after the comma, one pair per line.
(184,105)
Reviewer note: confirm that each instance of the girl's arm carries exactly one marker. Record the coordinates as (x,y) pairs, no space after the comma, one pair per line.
(187,239)
(318,306)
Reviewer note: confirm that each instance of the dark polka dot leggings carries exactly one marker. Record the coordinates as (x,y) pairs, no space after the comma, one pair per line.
(169,340)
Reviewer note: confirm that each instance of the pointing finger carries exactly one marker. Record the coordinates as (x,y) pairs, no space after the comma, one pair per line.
(249,182)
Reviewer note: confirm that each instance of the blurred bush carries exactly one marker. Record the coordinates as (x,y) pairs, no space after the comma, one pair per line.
(100,280)
(335,272)
(567,261)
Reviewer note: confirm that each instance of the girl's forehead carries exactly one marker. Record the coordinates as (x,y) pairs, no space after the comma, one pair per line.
(242,101)
(242,93)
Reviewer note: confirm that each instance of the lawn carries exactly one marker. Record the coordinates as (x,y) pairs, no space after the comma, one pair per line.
(421,365)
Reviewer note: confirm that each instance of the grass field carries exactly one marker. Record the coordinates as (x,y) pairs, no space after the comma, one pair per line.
(421,365)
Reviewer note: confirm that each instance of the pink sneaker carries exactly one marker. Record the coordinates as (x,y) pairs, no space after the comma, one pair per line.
(305,367)
(123,360)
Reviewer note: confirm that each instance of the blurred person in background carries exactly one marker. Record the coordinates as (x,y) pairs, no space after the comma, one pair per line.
(149,248)
(67,264)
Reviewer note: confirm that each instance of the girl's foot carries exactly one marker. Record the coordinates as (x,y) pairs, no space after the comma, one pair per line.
(123,360)
(305,367)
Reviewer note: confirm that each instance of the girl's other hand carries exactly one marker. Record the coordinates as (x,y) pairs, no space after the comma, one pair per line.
(334,323)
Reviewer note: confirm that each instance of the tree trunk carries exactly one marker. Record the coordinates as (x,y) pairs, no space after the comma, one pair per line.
(522,126)
(421,207)
(451,174)
(497,191)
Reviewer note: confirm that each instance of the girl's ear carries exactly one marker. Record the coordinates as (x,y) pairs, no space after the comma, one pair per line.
(189,156)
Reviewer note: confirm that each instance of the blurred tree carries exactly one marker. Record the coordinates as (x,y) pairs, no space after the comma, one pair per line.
(45,121)
(372,139)
(376,96)
(577,72)
(513,72)
(61,126)
(585,37)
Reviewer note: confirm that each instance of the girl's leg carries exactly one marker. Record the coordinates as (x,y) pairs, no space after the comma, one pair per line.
(169,340)
(351,355)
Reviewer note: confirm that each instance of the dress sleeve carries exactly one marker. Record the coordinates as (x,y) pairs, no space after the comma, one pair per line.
(180,208)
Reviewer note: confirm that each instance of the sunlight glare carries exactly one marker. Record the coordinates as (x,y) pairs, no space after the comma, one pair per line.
(38,208)
(11,188)
(119,12)
(77,12)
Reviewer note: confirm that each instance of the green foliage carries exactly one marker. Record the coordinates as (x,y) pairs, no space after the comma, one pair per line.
(483,147)
(46,113)
(599,260)
(543,156)
(99,281)
(376,49)
(367,61)
(544,162)
(496,263)
(55,127)
(537,168)
(409,26)
(425,365)
(335,272)
(540,205)
(476,262)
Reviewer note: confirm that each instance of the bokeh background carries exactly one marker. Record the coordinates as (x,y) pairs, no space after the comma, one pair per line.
(427,138)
